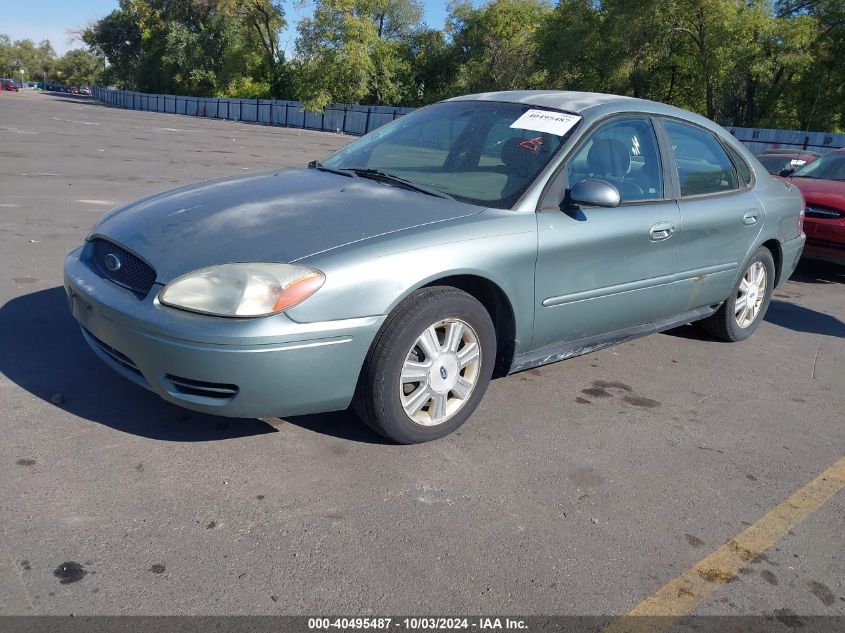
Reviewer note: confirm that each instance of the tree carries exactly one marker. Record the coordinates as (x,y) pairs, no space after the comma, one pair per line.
(435,65)
(117,38)
(198,47)
(774,63)
(36,60)
(81,68)
(262,23)
(498,43)
(357,51)
(819,93)
(734,61)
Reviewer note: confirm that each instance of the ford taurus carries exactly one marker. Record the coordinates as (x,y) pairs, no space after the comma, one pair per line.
(473,238)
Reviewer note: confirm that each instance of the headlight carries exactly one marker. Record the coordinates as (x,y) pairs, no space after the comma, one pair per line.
(243,290)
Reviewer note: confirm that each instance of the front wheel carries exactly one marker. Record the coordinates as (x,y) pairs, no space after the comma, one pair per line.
(743,311)
(428,368)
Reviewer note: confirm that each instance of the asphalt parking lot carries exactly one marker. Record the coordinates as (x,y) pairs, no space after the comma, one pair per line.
(578,488)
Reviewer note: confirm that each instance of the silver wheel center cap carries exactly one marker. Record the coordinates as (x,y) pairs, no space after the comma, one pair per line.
(443,373)
(752,297)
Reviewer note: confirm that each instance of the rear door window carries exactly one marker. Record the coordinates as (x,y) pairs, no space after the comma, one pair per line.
(703,164)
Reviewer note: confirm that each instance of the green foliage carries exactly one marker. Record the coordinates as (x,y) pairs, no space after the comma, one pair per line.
(819,92)
(36,60)
(435,67)
(80,68)
(196,47)
(749,63)
(498,44)
(117,37)
(357,51)
(772,63)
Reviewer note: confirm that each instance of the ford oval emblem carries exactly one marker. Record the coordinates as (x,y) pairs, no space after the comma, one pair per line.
(112,262)
(443,373)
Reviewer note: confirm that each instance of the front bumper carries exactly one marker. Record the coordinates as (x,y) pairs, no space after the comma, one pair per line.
(825,240)
(262,367)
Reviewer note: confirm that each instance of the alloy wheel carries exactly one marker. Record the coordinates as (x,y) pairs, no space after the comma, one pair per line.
(750,295)
(440,372)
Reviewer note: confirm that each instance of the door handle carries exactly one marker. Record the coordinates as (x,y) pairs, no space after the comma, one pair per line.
(750,217)
(661,231)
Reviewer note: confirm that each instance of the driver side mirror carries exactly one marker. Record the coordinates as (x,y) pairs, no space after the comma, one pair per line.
(594,193)
(786,173)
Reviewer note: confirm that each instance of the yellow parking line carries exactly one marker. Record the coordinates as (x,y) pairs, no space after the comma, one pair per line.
(680,596)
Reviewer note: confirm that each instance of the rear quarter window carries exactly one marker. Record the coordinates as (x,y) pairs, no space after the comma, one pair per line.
(741,166)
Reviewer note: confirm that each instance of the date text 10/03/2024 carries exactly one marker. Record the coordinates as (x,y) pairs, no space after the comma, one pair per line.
(423,623)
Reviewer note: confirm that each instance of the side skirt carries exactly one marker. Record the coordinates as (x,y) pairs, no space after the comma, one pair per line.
(570,349)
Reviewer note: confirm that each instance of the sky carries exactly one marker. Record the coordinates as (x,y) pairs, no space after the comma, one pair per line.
(54,19)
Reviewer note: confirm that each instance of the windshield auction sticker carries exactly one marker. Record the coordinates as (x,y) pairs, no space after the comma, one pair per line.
(557,123)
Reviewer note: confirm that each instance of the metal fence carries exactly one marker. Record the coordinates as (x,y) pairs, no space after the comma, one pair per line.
(358,119)
(759,140)
(349,119)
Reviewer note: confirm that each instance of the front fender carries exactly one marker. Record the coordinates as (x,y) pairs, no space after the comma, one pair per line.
(372,277)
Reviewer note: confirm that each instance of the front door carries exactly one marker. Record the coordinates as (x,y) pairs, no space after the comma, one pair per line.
(599,269)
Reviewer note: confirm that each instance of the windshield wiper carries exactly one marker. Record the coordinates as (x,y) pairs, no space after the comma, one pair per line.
(383,176)
(340,172)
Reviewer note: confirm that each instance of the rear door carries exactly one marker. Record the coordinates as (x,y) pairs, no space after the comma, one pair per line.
(601,269)
(720,215)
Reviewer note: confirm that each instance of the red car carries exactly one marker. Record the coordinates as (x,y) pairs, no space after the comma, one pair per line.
(823,184)
(776,161)
(8,84)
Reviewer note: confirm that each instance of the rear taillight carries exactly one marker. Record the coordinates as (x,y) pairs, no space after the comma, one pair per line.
(801,220)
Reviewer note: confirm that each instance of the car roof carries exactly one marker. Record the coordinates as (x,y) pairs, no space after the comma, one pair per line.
(590,105)
(570,101)
(789,152)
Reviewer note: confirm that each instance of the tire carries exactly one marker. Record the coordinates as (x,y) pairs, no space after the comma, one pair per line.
(732,322)
(386,405)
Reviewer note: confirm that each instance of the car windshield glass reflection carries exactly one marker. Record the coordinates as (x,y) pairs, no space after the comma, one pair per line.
(830,167)
(477,152)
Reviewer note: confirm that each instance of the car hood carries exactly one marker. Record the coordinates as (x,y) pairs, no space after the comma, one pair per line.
(277,216)
(830,193)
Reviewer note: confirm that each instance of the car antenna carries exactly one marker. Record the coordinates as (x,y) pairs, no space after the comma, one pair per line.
(810,122)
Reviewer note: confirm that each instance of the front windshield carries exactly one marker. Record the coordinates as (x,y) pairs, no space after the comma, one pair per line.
(481,152)
(828,167)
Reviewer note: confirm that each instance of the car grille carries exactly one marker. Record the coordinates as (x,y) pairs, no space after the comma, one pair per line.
(825,213)
(190,387)
(122,267)
(119,357)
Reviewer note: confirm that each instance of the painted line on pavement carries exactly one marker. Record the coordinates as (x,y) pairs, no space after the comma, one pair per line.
(682,595)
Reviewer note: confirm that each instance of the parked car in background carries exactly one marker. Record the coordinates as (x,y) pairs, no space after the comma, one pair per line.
(785,150)
(778,161)
(480,236)
(823,184)
(9,84)
(84,90)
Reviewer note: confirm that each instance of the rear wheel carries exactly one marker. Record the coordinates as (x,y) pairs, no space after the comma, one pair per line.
(429,366)
(742,312)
